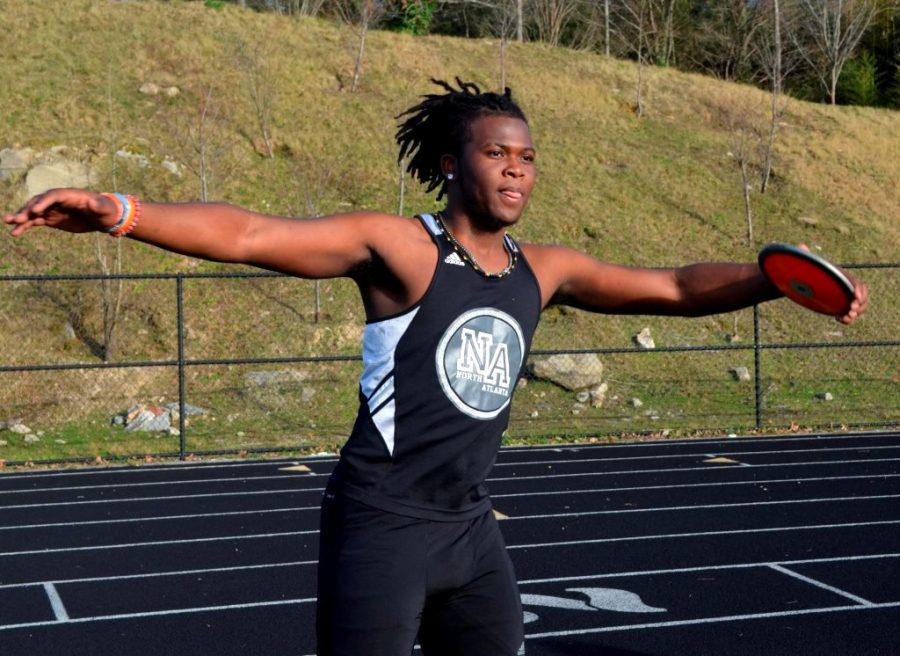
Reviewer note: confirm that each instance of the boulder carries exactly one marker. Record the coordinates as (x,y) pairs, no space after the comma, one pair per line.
(572,371)
(61,173)
(644,339)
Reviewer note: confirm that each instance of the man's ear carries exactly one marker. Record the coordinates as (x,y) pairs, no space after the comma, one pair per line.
(448,166)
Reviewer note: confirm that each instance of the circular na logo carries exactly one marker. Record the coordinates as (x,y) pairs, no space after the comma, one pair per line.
(478,361)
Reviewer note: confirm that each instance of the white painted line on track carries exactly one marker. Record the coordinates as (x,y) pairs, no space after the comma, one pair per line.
(544,476)
(704,442)
(150,575)
(571,446)
(694,456)
(192,481)
(160,543)
(55,504)
(708,620)
(59,610)
(701,534)
(174,467)
(138,520)
(637,488)
(533,636)
(820,584)
(588,513)
(493,496)
(705,468)
(539,545)
(558,579)
(705,568)
(734,454)
(160,613)
(711,506)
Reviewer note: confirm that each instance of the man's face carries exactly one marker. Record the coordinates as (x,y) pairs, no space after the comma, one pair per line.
(497,170)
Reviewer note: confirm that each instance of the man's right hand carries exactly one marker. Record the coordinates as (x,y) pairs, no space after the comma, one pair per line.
(72,210)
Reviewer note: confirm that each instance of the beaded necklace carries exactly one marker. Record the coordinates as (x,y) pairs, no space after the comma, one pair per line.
(467,257)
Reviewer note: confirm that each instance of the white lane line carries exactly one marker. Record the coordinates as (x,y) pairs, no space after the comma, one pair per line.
(637,488)
(59,610)
(708,620)
(556,579)
(532,636)
(569,492)
(139,520)
(173,467)
(586,513)
(711,506)
(705,568)
(700,534)
(572,446)
(161,613)
(161,543)
(250,479)
(150,575)
(192,481)
(710,454)
(705,442)
(494,496)
(820,584)
(539,545)
(705,468)
(178,497)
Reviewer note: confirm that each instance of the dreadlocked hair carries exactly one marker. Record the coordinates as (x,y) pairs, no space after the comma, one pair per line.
(439,125)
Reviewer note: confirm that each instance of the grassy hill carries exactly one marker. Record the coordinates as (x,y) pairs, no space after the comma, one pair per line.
(658,190)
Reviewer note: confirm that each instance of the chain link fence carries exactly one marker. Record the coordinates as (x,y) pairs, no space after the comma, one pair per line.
(257,362)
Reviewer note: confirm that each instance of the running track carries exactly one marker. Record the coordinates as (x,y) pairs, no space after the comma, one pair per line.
(735,546)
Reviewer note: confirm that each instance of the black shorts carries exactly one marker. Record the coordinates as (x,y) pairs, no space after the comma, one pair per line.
(386,580)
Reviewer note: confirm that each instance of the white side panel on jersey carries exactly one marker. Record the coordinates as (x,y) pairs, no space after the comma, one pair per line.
(380,341)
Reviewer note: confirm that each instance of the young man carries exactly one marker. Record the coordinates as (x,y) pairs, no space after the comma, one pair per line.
(409,547)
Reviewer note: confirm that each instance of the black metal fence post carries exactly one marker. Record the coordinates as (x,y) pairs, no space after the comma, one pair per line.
(179,292)
(757,368)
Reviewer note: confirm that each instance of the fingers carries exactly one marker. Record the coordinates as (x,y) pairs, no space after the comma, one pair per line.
(74,210)
(31,213)
(859,305)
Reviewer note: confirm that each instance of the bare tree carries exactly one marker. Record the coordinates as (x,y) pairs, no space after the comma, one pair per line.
(199,142)
(722,43)
(739,117)
(202,144)
(255,63)
(772,56)
(775,63)
(829,34)
(314,179)
(364,14)
(635,29)
(552,17)
(111,291)
(606,26)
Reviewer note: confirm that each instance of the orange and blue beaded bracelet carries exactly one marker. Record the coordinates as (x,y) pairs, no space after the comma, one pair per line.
(129,212)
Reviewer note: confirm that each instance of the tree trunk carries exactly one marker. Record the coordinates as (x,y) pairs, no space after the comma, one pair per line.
(363,30)
(775,116)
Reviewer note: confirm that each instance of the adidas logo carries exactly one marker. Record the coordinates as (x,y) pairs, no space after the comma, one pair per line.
(453,258)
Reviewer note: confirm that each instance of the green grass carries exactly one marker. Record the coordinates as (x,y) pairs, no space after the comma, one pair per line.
(660,190)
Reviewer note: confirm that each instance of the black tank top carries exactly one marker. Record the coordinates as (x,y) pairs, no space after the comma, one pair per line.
(435,390)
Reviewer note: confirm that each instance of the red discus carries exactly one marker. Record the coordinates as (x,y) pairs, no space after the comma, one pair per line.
(807,279)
